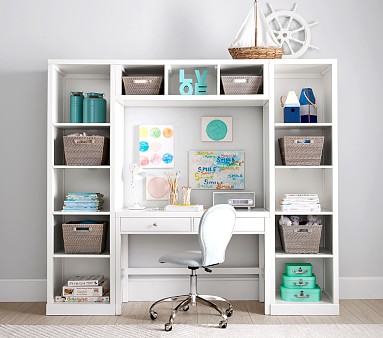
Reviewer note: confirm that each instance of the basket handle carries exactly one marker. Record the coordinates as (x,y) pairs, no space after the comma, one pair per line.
(303,230)
(240,81)
(87,141)
(81,229)
(141,81)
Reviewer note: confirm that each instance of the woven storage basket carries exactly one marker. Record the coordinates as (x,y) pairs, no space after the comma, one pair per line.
(87,238)
(86,150)
(300,239)
(256,53)
(142,85)
(241,85)
(301,150)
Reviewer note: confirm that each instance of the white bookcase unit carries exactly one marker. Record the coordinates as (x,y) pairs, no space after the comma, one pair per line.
(257,125)
(320,75)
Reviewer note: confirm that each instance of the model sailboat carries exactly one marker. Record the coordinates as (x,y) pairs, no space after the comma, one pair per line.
(255,39)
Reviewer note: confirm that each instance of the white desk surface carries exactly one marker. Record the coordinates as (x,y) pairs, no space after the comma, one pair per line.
(155,212)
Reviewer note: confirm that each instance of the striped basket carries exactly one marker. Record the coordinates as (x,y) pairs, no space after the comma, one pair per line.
(300,239)
(86,150)
(301,150)
(241,85)
(142,85)
(84,238)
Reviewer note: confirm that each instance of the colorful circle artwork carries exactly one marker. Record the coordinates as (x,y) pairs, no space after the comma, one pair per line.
(155,132)
(156,143)
(156,146)
(155,159)
(168,132)
(144,146)
(144,132)
(216,130)
(167,158)
(144,160)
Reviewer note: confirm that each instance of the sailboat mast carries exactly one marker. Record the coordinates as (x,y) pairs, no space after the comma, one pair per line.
(255,13)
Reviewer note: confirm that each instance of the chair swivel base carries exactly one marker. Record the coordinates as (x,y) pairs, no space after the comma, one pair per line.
(193,299)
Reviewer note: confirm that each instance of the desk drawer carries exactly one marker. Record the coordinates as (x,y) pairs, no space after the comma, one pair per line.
(242,224)
(155,224)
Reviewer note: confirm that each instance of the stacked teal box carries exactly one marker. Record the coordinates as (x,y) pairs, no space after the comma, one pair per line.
(299,284)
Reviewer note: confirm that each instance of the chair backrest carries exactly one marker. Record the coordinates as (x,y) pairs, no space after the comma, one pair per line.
(215,231)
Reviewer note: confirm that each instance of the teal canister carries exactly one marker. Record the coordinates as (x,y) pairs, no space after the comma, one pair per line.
(76,107)
(94,108)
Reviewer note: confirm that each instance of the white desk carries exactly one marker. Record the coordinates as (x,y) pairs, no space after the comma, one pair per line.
(151,222)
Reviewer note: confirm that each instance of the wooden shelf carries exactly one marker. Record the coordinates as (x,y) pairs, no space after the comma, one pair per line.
(303,125)
(81,125)
(323,253)
(81,167)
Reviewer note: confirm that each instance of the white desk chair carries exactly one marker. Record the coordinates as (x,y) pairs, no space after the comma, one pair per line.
(215,231)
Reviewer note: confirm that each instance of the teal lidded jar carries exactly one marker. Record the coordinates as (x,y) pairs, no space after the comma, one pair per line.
(94,108)
(76,107)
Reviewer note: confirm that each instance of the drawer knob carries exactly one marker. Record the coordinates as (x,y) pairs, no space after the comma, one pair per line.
(154,224)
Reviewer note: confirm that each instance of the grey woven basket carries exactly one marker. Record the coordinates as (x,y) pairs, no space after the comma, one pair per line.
(142,85)
(84,238)
(241,84)
(300,239)
(86,150)
(301,150)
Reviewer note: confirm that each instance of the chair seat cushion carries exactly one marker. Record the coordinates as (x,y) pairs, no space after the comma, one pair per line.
(185,258)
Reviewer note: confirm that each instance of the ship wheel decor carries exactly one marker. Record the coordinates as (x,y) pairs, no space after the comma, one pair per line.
(291,30)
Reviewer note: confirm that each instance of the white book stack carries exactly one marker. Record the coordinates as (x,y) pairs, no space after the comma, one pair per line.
(91,288)
(300,203)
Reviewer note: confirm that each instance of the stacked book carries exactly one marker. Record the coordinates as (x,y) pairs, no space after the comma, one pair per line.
(90,289)
(83,201)
(300,203)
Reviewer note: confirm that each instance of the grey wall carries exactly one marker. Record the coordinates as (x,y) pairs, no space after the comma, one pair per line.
(33,31)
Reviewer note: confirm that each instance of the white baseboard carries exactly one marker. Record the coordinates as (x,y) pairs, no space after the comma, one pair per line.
(151,289)
(361,287)
(34,290)
(23,290)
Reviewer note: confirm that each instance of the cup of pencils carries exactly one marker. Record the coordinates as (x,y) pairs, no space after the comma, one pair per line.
(173,178)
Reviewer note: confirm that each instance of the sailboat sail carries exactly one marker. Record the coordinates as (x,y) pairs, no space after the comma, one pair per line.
(255,31)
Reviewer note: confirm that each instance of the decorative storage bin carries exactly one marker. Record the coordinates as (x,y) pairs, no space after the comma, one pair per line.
(142,85)
(299,269)
(303,282)
(84,237)
(300,295)
(300,239)
(86,150)
(241,84)
(301,150)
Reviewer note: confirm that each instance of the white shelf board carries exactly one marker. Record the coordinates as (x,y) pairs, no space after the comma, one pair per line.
(324,211)
(185,271)
(303,167)
(302,125)
(323,253)
(61,254)
(78,213)
(81,125)
(192,100)
(324,307)
(81,167)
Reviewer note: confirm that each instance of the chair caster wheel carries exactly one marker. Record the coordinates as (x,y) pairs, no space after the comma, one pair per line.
(168,327)
(223,324)
(153,315)
(185,308)
(229,312)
